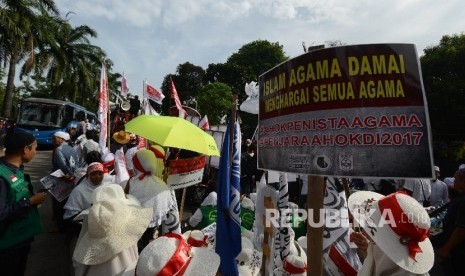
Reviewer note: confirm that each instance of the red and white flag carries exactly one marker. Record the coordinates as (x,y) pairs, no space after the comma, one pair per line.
(175,97)
(124,86)
(203,124)
(103,109)
(153,94)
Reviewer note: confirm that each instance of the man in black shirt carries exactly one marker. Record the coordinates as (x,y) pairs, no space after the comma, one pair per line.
(451,249)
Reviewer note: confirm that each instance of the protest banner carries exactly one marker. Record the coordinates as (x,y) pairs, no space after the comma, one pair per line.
(346,111)
(183,173)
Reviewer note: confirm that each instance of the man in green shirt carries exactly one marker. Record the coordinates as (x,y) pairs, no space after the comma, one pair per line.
(19,218)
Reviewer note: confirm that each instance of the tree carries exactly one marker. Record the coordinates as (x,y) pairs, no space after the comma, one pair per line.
(443,70)
(214,100)
(18,33)
(252,60)
(68,60)
(188,81)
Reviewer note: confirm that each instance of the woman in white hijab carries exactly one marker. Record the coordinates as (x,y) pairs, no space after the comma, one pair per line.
(153,192)
(80,197)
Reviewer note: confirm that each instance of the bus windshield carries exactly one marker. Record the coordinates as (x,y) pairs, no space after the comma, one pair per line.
(39,114)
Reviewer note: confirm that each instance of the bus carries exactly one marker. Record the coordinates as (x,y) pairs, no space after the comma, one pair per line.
(43,117)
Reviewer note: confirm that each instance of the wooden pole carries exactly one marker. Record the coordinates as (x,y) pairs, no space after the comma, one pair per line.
(345,183)
(315,198)
(183,199)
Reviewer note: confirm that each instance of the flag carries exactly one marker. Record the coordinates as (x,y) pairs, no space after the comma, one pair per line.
(228,231)
(203,124)
(124,86)
(284,233)
(148,109)
(153,94)
(103,109)
(175,97)
(339,258)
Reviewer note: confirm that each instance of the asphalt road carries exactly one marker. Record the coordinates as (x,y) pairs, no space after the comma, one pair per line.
(50,254)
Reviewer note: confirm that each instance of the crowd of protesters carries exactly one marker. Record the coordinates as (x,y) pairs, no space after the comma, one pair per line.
(133,226)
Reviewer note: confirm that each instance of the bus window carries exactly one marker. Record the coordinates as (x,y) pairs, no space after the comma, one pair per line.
(39,115)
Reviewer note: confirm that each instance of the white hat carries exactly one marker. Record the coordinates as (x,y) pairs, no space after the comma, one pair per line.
(399,225)
(195,238)
(249,259)
(293,266)
(449,181)
(108,157)
(436,169)
(113,224)
(145,161)
(462,166)
(61,134)
(172,254)
(247,203)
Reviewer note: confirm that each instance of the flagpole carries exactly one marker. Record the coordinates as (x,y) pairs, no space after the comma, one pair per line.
(232,124)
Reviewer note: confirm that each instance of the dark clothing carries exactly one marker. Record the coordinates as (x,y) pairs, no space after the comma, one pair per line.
(116,146)
(13,260)
(455,217)
(248,170)
(19,222)
(135,106)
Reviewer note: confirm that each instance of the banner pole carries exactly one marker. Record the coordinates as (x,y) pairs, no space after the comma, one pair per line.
(183,199)
(315,196)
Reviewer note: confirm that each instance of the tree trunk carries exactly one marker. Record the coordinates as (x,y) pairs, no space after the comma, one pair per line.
(10,86)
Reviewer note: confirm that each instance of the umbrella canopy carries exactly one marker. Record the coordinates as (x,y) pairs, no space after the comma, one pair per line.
(173,132)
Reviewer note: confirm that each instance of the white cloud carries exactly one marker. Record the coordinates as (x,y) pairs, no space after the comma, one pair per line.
(148,39)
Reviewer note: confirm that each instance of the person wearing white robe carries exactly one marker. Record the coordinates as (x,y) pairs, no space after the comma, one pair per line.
(80,197)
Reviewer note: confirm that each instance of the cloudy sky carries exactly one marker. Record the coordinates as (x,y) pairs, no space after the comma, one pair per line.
(148,39)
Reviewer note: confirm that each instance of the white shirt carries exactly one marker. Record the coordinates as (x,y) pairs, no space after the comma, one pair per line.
(420,189)
(439,193)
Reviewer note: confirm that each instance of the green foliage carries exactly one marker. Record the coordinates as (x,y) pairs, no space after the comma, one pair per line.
(188,81)
(252,60)
(443,70)
(214,100)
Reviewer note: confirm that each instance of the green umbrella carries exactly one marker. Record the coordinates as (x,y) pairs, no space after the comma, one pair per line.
(173,132)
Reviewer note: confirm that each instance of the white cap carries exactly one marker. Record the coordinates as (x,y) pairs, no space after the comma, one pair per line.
(436,169)
(63,135)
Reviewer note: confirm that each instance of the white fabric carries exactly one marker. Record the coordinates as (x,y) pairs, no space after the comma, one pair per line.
(63,135)
(89,145)
(211,199)
(420,189)
(378,264)
(80,198)
(439,193)
(128,156)
(366,212)
(304,189)
(204,262)
(115,266)
(153,193)
(113,224)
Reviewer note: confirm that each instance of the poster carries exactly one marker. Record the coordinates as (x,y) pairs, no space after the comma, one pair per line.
(346,111)
(183,173)
(57,186)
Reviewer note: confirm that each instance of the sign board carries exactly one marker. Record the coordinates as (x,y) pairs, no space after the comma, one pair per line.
(183,173)
(346,111)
